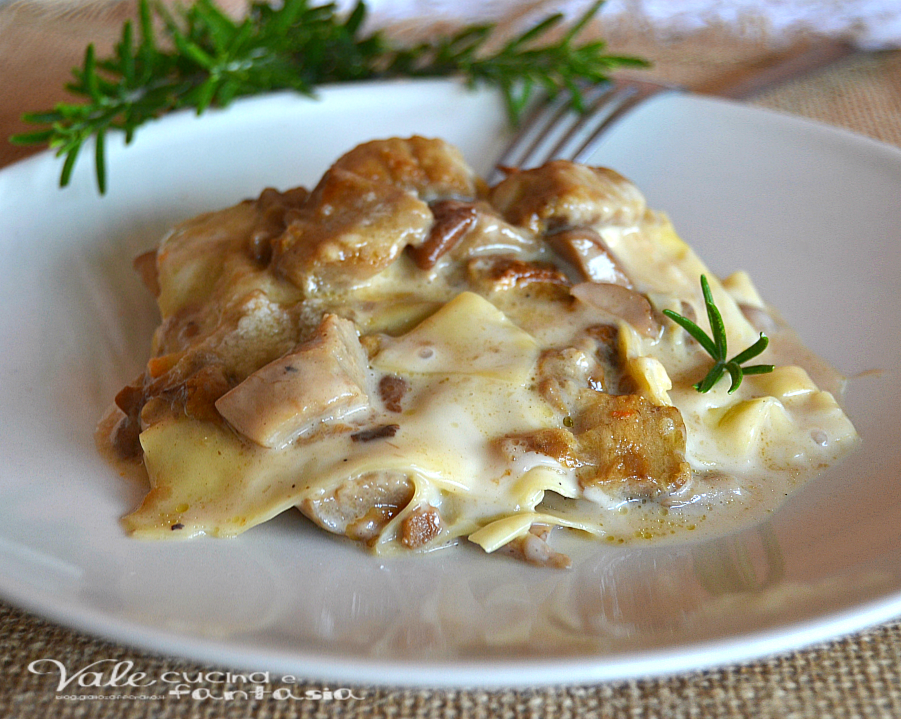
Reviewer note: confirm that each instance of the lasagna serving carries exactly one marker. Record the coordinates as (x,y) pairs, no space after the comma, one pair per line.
(410,357)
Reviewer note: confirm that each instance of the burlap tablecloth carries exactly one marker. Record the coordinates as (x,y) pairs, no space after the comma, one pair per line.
(858,676)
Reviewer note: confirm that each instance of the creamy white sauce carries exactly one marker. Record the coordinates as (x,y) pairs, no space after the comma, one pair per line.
(470,363)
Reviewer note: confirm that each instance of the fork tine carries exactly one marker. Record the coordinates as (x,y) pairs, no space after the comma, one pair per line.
(635,98)
(598,112)
(547,122)
(533,130)
(555,131)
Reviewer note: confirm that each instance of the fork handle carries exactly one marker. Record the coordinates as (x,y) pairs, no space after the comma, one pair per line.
(799,60)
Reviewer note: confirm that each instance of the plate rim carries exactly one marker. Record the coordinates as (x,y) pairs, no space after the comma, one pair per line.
(491,672)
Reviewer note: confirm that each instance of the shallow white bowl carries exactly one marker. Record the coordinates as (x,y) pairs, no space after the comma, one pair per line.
(812,212)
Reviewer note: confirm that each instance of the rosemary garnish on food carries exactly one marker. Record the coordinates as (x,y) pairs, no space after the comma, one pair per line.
(716,346)
(205,58)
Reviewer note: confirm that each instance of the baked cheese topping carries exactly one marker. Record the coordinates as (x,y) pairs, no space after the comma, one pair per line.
(410,357)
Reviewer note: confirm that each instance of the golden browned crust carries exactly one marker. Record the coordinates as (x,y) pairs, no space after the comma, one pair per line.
(350,229)
(561,195)
(630,447)
(428,168)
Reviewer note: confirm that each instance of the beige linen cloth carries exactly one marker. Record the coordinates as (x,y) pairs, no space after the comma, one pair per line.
(858,676)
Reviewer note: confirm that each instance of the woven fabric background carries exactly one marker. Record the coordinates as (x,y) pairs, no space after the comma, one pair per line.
(857,676)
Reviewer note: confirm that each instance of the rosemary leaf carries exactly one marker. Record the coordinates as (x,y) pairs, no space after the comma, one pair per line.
(716,346)
(204,59)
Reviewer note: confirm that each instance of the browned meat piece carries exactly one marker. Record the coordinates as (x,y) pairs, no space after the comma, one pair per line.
(561,194)
(383,431)
(619,444)
(453,219)
(429,168)
(321,381)
(504,273)
(420,527)
(556,443)
(203,388)
(392,390)
(350,229)
(145,400)
(204,259)
(124,439)
(586,250)
(565,374)
(361,507)
(201,355)
(630,447)
(145,266)
(273,207)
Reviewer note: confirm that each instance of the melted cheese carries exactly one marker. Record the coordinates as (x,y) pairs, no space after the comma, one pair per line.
(205,480)
(468,335)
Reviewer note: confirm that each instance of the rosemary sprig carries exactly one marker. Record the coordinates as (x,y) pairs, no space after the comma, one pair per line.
(716,346)
(205,58)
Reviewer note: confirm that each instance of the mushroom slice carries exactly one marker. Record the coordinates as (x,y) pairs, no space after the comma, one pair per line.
(533,547)
(586,250)
(322,380)
(361,507)
(453,219)
(499,273)
(565,374)
(628,305)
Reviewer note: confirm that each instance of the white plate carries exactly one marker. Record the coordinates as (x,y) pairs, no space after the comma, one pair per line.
(811,212)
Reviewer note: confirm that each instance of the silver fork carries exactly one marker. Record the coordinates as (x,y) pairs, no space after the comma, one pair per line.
(555,131)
